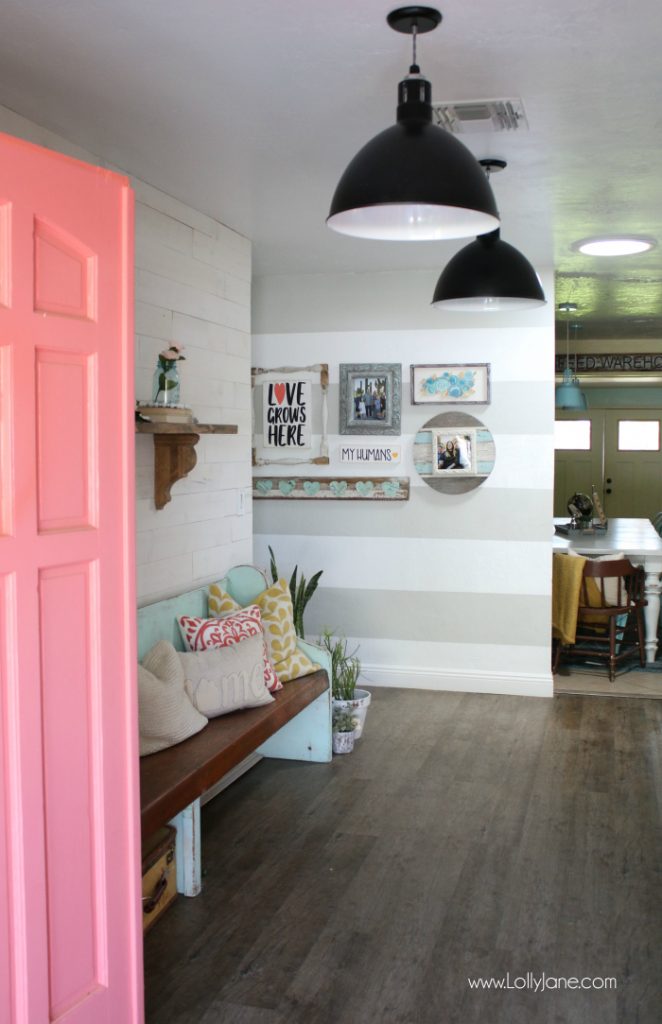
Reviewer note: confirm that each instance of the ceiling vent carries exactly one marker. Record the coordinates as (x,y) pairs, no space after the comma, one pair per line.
(472,116)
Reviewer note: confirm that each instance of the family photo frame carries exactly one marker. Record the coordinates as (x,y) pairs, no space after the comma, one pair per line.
(450,384)
(455,452)
(370,398)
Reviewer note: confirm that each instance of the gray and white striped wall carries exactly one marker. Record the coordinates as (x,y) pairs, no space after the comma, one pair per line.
(445,592)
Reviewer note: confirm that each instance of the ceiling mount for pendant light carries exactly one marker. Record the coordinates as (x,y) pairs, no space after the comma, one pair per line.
(488,274)
(569,394)
(414,181)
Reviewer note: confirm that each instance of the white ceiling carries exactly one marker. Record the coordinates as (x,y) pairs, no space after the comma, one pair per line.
(249,111)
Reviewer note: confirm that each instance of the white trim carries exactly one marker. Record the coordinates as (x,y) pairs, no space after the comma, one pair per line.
(517,684)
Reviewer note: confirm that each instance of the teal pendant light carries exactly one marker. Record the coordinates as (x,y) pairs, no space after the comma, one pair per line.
(569,394)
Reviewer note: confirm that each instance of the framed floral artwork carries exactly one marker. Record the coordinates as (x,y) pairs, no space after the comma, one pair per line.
(451,384)
(370,398)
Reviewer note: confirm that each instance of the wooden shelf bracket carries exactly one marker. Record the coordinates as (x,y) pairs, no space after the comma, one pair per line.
(174,452)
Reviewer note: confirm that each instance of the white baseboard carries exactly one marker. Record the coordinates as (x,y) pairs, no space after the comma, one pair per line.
(518,684)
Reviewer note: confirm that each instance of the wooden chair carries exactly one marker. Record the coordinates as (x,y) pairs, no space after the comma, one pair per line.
(610,621)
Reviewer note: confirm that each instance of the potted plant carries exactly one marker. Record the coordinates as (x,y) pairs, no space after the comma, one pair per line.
(301,592)
(344,731)
(345,672)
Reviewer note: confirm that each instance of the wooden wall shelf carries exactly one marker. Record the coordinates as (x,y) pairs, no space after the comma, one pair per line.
(174,451)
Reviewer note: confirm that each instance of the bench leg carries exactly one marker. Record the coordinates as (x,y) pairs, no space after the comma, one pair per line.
(189,874)
(307,737)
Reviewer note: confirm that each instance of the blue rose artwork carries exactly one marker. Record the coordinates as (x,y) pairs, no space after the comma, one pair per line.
(450,385)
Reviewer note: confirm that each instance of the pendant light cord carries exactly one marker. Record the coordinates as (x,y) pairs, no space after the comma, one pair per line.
(414,69)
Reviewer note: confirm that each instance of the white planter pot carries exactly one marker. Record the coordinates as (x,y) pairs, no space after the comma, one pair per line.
(358,707)
(343,742)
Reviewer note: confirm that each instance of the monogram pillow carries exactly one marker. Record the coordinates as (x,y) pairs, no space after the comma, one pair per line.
(223,679)
(201,634)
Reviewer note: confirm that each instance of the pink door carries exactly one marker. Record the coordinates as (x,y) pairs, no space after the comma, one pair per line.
(70,942)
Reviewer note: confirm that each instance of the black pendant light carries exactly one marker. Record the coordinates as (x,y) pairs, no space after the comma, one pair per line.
(488,274)
(413,181)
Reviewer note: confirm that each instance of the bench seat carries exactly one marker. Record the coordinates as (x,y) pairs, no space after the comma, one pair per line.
(172,779)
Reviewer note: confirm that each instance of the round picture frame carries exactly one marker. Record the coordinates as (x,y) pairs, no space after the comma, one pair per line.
(454,452)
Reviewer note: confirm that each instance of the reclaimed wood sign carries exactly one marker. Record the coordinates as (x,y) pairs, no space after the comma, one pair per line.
(610,362)
(329,488)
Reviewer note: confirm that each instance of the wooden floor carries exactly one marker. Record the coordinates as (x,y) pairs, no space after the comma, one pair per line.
(466,836)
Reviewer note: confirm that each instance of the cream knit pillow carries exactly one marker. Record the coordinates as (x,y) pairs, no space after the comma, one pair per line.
(166,714)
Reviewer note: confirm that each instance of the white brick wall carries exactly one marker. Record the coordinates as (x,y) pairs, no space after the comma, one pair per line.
(193,287)
(193,280)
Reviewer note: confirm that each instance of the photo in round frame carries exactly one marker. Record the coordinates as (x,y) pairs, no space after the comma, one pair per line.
(454,452)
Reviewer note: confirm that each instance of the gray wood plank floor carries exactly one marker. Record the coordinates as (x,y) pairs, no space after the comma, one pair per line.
(466,836)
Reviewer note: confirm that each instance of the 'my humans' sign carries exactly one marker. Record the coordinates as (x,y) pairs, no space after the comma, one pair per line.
(287,414)
(362,453)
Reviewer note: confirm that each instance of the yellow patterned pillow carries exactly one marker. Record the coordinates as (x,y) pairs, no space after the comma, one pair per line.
(275,606)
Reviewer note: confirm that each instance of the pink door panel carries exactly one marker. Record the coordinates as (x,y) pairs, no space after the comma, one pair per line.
(70,933)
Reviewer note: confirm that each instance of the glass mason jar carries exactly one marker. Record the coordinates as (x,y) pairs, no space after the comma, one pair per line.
(165,387)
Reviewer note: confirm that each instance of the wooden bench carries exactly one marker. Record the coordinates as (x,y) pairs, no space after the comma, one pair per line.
(174,782)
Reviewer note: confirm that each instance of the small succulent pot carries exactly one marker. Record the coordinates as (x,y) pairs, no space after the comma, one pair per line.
(343,742)
(358,707)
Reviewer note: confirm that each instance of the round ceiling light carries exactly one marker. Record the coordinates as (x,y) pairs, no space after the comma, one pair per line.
(613,245)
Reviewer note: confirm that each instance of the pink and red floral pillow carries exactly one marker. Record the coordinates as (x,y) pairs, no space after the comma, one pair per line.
(202,634)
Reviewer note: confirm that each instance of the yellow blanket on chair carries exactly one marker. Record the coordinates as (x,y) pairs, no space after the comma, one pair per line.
(567,575)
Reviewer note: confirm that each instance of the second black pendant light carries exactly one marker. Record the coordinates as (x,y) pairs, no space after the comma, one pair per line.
(488,274)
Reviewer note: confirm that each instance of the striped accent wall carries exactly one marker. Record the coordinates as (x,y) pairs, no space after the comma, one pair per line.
(445,591)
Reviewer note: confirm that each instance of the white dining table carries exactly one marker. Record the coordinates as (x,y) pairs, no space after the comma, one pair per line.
(639,541)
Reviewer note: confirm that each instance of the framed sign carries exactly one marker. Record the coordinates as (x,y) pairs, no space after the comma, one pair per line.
(451,384)
(290,415)
(384,454)
(286,413)
(370,398)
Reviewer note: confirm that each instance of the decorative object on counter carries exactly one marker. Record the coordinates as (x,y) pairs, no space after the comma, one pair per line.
(580,508)
(301,592)
(327,488)
(343,725)
(454,452)
(370,398)
(165,387)
(598,509)
(345,673)
(451,384)
(284,415)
